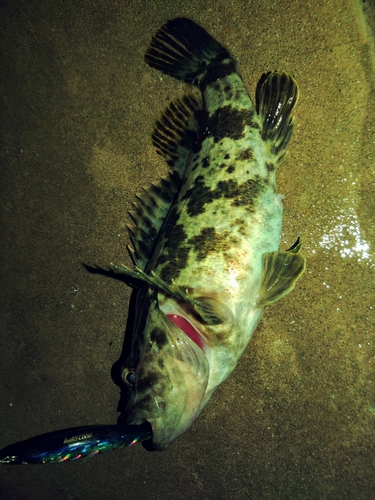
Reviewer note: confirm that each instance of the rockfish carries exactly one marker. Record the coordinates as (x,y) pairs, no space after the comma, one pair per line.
(205,240)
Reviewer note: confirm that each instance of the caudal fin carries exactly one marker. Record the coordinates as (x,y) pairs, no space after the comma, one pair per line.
(184,50)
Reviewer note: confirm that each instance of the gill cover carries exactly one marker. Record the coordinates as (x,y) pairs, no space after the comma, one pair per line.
(171,374)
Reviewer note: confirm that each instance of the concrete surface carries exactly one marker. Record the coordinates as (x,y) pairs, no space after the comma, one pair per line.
(296,418)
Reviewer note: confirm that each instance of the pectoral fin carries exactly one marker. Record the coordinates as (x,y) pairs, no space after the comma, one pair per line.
(210,310)
(280,273)
(154,281)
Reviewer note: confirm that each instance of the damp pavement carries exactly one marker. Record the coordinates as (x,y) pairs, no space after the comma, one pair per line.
(296,419)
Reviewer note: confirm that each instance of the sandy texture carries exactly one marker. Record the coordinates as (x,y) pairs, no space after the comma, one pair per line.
(296,420)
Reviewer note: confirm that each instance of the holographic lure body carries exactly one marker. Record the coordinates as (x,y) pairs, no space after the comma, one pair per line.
(74,443)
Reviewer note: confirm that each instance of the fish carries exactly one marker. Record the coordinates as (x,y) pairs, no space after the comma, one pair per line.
(205,240)
(73,444)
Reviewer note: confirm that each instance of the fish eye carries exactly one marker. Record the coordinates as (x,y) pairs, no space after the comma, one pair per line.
(128,377)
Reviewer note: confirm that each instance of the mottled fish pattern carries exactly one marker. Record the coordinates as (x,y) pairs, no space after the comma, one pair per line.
(205,241)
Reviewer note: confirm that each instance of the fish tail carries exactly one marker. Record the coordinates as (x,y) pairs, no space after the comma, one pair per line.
(184,50)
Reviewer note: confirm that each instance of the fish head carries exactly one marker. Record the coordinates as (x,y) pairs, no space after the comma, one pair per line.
(169,374)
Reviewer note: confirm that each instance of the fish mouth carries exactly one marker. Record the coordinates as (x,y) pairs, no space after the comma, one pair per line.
(174,399)
(170,386)
(185,326)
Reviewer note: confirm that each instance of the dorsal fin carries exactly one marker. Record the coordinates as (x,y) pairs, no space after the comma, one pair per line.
(173,136)
(276,96)
(148,215)
(184,50)
(176,131)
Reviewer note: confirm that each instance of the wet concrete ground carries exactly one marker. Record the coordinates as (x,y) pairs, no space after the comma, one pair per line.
(296,420)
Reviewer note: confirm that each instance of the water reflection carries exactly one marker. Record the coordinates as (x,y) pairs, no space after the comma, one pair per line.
(347,238)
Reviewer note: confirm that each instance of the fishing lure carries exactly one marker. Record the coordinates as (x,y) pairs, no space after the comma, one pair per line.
(74,443)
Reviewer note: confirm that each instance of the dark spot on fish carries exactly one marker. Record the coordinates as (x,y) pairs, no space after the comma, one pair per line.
(230,169)
(177,260)
(237,222)
(198,195)
(145,380)
(239,225)
(216,86)
(270,167)
(158,336)
(228,91)
(246,154)
(147,356)
(228,122)
(223,165)
(199,242)
(206,162)
(226,157)
(219,338)
(208,240)
(216,71)
(244,194)
(175,236)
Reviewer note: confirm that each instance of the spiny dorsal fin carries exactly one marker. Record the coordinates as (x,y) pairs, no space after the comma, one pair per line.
(176,132)
(280,273)
(148,215)
(174,135)
(276,96)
